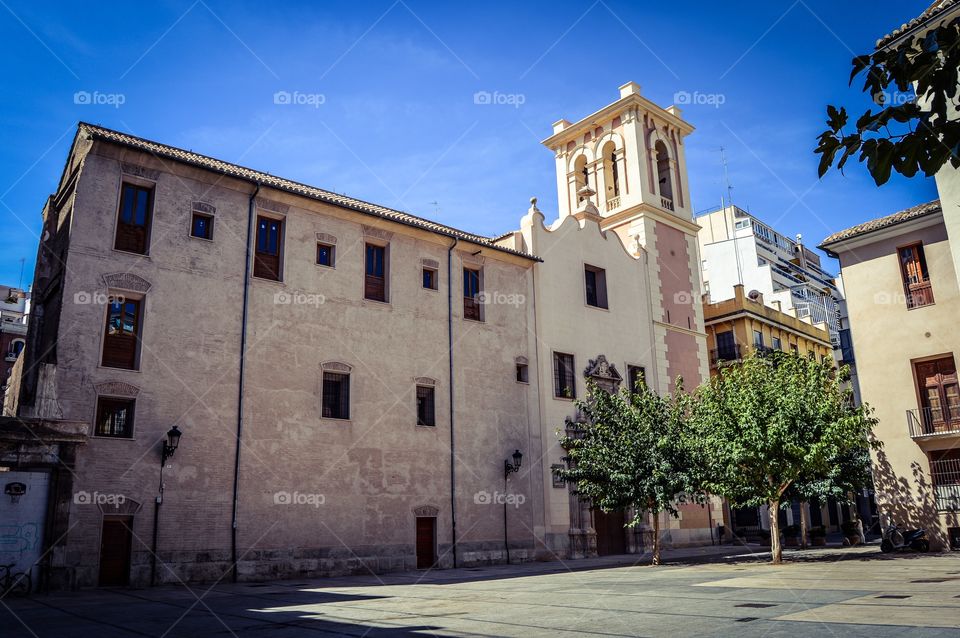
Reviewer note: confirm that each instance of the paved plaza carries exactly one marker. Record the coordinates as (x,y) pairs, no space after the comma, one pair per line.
(705,592)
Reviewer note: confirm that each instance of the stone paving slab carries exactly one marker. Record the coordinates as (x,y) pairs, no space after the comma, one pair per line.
(703,592)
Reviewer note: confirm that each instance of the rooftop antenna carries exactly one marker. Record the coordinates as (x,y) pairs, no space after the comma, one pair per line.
(726,176)
(436,208)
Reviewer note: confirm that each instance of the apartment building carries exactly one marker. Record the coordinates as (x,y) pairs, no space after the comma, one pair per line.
(739,249)
(254,378)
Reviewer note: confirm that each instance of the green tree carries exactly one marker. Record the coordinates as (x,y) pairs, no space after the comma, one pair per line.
(912,130)
(628,449)
(769,421)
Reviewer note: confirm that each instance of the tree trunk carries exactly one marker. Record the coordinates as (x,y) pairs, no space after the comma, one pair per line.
(803,524)
(656,539)
(776,551)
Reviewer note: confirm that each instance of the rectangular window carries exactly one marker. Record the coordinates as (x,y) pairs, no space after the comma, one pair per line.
(596,285)
(727,348)
(635,375)
(425,405)
(846,346)
(794,348)
(471,294)
(430,278)
(523,373)
(777,345)
(133,221)
(916,277)
(269,249)
(375,278)
(201,226)
(564,379)
(325,254)
(336,395)
(121,342)
(114,417)
(757,338)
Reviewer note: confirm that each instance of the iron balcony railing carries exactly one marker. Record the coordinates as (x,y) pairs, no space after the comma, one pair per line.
(945,474)
(931,421)
(727,353)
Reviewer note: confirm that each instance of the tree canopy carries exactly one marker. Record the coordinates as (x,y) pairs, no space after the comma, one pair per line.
(772,420)
(914,82)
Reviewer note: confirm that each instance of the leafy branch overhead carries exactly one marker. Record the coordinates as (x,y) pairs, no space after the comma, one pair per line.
(920,133)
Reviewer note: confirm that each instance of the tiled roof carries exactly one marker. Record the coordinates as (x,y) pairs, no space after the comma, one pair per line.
(226,168)
(919,210)
(938,7)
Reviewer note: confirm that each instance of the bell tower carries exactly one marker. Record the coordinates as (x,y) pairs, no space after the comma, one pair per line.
(629,160)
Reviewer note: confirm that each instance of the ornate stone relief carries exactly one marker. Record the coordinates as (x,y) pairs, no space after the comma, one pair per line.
(126,281)
(116,389)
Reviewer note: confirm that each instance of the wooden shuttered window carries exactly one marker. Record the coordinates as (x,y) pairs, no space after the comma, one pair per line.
(133,219)
(916,277)
(269,249)
(426,405)
(564,380)
(471,294)
(121,342)
(336,395)
(375,275)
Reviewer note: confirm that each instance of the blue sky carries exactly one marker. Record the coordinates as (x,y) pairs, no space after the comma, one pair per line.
(385,92)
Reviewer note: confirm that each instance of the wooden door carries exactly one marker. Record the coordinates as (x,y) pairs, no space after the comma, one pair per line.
(939,395)
(115,543)
(611,534)
(426,541)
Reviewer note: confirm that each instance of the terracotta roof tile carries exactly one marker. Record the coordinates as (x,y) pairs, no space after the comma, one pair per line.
(935,9)
(195,159)
(919,210)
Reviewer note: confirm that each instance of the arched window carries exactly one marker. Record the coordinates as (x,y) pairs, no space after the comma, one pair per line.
(611,172)
(582,174)
(16,347)
(663,174)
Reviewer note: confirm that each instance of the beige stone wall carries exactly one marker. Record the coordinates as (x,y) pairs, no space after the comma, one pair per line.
(370,472)
(887,339)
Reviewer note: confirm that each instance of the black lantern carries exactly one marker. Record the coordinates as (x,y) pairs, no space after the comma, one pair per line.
(512,467)
(171,444)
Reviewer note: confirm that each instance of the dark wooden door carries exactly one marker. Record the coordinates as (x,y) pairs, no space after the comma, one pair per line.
(611,535)
(426,541)
(115,541)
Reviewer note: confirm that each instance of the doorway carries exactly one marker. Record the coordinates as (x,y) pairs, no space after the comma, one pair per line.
(426,542)
(939,395)
(611,533)
(115,544)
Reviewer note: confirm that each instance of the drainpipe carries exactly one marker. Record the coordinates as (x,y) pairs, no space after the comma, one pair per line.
(453,477)
(251,218)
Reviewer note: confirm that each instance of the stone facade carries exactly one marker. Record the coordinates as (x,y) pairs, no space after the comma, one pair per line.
(264,485)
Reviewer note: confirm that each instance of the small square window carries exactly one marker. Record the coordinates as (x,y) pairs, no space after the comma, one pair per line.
(115,417)
(426,412)
(325,254)
(201,226)
(336,395)
(430,278)
(523,374)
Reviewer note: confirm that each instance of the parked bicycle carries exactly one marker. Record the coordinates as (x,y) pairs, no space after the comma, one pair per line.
(14,583)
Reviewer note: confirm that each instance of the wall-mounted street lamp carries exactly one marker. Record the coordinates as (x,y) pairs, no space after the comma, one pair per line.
(171,444)
(167,449)
(508,469)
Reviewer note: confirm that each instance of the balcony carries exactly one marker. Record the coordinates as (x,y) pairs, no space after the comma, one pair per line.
(926,422)
(666,202)
(613,203)
(919,294)
(724,355)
